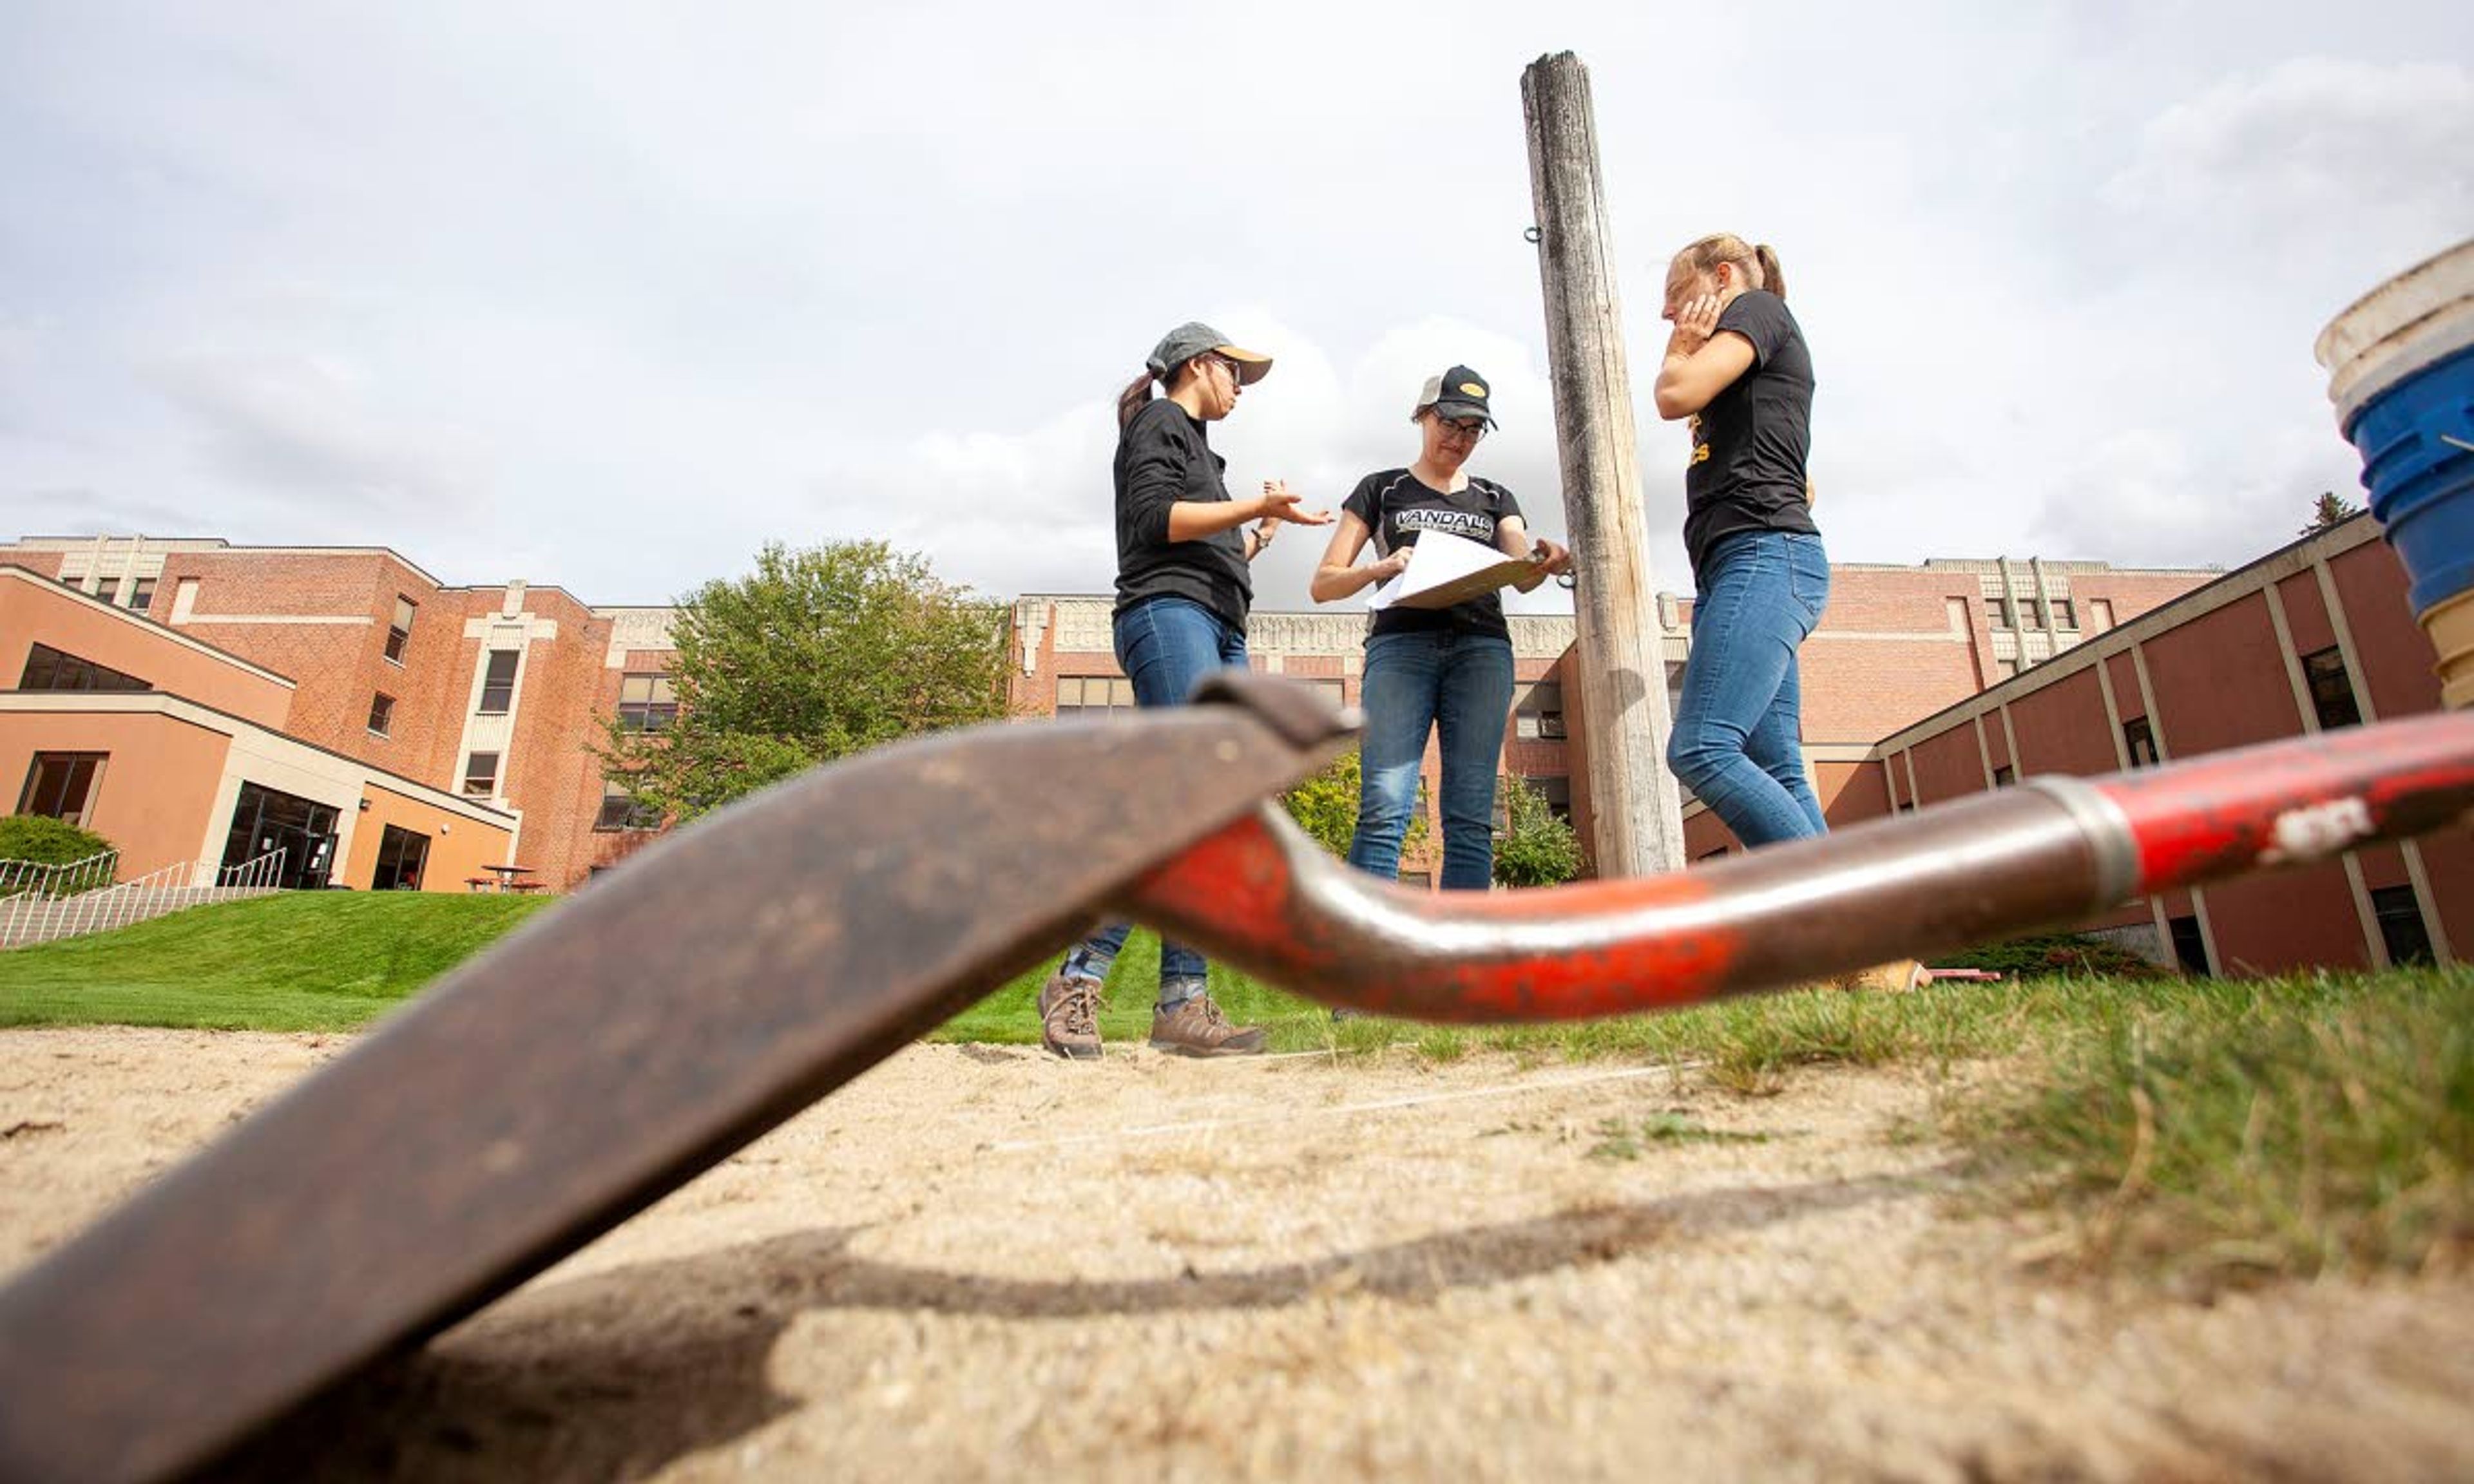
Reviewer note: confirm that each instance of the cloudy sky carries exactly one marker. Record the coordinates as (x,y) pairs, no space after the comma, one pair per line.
(608,295)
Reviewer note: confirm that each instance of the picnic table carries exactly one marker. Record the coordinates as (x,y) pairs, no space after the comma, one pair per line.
(504,878)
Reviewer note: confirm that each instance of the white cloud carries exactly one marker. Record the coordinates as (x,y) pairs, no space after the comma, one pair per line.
(2256,158)
(608,299)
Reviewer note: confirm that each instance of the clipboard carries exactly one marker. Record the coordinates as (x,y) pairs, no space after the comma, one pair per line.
(1445,569)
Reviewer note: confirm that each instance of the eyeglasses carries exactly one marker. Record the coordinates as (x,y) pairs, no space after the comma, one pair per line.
(1236,373)
(1470,428)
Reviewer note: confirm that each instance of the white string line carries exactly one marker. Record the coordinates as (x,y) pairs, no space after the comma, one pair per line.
(1345,1109)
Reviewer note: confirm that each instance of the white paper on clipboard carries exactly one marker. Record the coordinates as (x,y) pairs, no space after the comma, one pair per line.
(1445,569)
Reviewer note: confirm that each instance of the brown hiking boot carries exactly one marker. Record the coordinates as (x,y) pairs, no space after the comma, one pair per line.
(1897,976)
(1198,1028)
(1069,1016)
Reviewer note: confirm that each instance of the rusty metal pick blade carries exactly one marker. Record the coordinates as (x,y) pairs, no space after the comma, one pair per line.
(596,1060)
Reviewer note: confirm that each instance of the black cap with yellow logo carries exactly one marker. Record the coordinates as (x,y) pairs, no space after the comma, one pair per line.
(1458,392)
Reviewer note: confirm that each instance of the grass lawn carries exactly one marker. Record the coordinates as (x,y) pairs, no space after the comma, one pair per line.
(2214,1128)
(305,961)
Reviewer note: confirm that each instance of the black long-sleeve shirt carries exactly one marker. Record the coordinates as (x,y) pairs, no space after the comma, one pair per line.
(1164,456)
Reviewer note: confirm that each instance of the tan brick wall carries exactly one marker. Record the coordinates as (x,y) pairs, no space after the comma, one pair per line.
(338,668)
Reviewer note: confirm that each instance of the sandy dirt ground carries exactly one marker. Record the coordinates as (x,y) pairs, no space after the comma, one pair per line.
(980,1261)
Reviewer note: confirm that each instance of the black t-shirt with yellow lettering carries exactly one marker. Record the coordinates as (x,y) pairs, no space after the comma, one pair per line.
(1398,507)
(1749,446)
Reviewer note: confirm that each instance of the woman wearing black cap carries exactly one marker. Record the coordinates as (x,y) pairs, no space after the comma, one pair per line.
(1184,545)
(1429,668)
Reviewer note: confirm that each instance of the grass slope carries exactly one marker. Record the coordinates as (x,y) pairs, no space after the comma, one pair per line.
(306,961)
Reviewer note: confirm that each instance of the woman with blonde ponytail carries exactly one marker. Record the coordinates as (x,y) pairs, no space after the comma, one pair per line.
(1737,367)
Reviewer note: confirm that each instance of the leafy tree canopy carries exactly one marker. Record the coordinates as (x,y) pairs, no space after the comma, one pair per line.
(816,655)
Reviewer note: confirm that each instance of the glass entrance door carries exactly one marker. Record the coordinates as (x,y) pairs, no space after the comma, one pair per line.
(265,820)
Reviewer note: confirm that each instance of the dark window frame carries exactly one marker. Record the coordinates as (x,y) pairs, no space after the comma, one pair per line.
(78,772)
(381,715)
(394,872)
(2190,944)
(1544,702)
(141,593)
(498,692)
(2139,743)
(489,782)
(400,631)
(2398,915)
(2331,687)
(57,669)
(656,710)
(621,812)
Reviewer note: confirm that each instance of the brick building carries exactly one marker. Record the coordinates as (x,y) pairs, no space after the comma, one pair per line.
(349,698)
(1897,643)
(492,695)
(2317,636)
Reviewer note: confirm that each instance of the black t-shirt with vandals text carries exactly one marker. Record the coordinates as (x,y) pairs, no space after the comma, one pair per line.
(1749,446)
(1398,507)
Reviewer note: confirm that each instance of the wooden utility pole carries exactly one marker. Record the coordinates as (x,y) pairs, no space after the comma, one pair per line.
(1636,828)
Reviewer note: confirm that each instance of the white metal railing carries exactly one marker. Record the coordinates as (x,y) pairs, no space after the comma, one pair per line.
(254,875)
(26,877)
(31,915)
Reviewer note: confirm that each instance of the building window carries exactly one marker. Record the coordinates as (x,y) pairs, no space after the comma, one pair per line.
(2031,613)
(381,713)
(481,775)
(2100,614)
(498,682)
(2332,690)
(400,632)
(1556,791)
(1996,613)
(1421,881)
(62,786)
(402,855)
(619,809)
(2004,777)
(51,669)
(2401,926)
(2008,667)
(2139,742)
(2065,616)
(1542,712)
(2189,945)
(141,594)
(647,703)
(1094,695)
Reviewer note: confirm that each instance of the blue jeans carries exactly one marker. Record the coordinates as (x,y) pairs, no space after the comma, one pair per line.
(1738,742)
(1414,682)
(1165,646)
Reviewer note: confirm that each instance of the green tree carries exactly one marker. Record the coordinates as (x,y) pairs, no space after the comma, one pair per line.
(816,655)
(1326,807)
(2331,509)
(1536,848)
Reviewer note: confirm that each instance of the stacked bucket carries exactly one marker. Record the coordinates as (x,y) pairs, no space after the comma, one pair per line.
(2401,372)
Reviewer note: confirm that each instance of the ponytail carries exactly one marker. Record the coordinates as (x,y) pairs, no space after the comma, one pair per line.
(1772,278)
(1754,263)
(1130,400)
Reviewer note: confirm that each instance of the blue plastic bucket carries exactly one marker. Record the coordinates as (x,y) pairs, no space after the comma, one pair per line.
(2422,485)
(2401,373)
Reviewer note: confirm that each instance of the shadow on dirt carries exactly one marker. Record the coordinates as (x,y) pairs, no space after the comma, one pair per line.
(614,1376)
